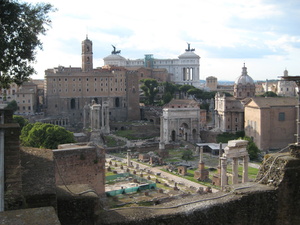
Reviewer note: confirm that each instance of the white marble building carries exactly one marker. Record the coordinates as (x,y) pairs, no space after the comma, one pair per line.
(185,69)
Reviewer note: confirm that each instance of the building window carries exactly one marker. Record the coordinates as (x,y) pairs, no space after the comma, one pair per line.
(236,120)
(72,103)
(117,102)
(281,116)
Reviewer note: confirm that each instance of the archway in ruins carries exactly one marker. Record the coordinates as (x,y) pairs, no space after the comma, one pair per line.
(184,128)
(173,135)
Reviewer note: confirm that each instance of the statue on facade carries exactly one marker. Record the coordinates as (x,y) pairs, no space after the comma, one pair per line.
(189,49)
(114,52)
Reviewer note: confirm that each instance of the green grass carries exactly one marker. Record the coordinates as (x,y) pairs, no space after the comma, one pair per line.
(112,142)
(190,176)
(252,172)
(131,135)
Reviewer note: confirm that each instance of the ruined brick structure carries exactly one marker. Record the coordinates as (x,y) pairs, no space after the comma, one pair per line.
(12,163)
(80,164)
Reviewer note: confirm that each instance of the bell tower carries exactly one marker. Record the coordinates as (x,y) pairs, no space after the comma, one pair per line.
(87,55)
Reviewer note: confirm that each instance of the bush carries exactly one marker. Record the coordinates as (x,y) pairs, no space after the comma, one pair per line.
(43,135)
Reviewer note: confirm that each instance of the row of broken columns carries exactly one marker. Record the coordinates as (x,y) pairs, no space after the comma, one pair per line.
(234,150)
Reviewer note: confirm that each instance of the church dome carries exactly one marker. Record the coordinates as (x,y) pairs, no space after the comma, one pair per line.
(244,78)
(113,57)
(189,54)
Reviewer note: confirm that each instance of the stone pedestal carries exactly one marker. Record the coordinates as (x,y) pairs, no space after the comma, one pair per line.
(201,173)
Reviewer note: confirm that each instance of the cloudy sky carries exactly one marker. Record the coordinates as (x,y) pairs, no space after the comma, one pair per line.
(264,34)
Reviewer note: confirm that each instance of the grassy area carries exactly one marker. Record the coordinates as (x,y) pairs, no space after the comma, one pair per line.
(252,172)
(112,142)
(131,135)
(190,176)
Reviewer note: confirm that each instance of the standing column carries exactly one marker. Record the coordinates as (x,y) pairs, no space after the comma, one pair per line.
(1,162)
(107,119)
(102,117)
(201,154)
(128,158)
(235,164)
(223,172)
(245,169)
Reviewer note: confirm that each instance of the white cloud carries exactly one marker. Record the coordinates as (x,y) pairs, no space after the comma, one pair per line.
(162,28)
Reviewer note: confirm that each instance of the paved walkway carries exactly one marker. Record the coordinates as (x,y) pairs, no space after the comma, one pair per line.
(168,176)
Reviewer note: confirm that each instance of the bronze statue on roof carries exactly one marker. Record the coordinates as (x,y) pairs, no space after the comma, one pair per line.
(114,52)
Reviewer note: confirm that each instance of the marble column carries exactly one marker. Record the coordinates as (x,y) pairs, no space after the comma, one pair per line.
(245,169)
(235,174)
(223,172)
(128,158)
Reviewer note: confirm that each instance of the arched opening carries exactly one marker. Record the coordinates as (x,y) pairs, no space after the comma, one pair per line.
(173,135)
(194,133)
(73,104)
(183,131)
(96,100)
(117,102)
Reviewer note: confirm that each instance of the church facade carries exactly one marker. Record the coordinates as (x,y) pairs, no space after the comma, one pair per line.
(229,111)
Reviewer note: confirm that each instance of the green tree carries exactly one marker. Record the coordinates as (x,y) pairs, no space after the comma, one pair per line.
(167,97)
(269,94)
(21,26)
(56,135)
(43,135)
(150,88)
(12,105)
(187,155)
(184,88)
(169,87)
(20,120)
(252,149)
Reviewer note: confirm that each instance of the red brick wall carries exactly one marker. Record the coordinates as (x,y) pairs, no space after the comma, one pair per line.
(80,165)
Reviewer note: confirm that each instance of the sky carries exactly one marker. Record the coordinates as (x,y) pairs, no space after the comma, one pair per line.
(263,34)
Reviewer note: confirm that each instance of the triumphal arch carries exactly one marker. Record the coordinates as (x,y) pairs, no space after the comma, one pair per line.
(180,124)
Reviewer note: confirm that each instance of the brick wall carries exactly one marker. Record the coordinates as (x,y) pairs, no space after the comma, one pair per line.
(80,165)
(12,164)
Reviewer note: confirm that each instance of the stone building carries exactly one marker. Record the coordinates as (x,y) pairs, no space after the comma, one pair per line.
(213,85)
(285,87)
(184,70)
(25,95)
(271,122)
(69,89)
(229,111)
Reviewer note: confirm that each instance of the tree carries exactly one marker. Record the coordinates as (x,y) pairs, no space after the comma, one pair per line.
(269,94)
(21,25)
(251,148)
(12,105)
(167,97)
(187,155)
(20,120)
(184,88)
(150,88)
(43,135)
